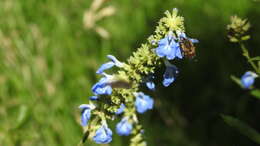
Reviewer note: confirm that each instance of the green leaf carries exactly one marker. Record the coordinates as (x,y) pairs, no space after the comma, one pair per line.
(256,93)
(255,58)
(22,116)
(243,128)
(244,38)
(233,40)
(236,80)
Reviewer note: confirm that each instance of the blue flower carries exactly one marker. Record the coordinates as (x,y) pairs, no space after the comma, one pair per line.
(149,82)
(110,64)
(105,66)
(120,110)
(248,79)
(124,127)
(103,135)
(102,87)
(93,97)
(143,102)
(170,74)
(150,85)
(86,113)
(169,48)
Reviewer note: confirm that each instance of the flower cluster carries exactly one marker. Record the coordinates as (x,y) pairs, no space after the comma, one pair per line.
(237,29)
(237,33)
(119,94)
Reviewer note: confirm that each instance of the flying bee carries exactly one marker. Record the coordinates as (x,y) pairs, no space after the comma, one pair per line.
(188,48)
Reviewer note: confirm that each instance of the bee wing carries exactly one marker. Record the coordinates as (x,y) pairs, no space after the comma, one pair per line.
(194,40)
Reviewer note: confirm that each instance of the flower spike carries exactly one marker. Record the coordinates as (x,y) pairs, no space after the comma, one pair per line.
(120,94)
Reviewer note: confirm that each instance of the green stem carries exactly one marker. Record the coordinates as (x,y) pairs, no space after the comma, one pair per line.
(246,54)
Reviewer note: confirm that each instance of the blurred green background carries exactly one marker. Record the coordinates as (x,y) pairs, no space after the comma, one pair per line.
(48,64)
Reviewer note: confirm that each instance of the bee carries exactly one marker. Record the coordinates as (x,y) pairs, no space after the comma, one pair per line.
(188,48)
(120,84)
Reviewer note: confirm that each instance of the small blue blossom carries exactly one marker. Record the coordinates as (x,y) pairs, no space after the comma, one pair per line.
(110,64)
(86,113)
(149,82)
(115,61)
(93,97)
(170,74)
(102,87)
(124,127)
(143,102)
(103,135)
(150,85)
(105,66)
(169,48)
(120,110)
(248,79)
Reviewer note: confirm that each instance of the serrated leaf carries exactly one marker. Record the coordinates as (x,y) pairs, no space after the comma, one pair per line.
(256,93)
(242,127)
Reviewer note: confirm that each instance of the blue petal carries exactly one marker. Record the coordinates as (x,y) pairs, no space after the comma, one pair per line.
(107,90)
(120,110)
(170,53)
(168,81)
(85,117)
(143,102)
(102,87)
(169,48)
(105,66)
(164,41)
(178,52)
(112,58)
(84,106)
(248,79)
(93,97)
(124,127)
(150,85)
(182,34)
(86,113)
(103,135)
(164,47)
(115,61)
(169,75)
(162,50)
(150,103)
